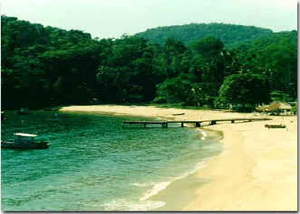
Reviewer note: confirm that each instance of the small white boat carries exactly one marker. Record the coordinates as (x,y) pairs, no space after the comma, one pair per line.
(24,141)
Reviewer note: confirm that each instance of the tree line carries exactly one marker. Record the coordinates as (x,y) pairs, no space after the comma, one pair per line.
(47,66)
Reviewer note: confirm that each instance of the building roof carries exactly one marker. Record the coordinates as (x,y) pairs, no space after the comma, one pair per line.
(279,106)
(275,106)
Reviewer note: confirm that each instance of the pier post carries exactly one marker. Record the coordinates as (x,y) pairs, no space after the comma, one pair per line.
(164,125)
(213,122)
(197,124)
(182,124)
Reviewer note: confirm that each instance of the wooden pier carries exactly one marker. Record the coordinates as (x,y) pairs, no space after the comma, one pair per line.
(196,123)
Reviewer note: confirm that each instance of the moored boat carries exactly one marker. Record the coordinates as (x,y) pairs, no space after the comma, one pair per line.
(24,141)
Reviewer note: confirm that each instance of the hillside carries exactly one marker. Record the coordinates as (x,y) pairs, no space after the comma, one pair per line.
(227,33)
(47,66)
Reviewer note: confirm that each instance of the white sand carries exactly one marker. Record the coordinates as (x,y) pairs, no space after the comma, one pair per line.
(257,169)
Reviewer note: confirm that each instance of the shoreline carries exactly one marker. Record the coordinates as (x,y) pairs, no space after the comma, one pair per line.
(256,171)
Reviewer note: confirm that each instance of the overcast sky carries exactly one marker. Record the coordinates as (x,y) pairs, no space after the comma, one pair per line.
(112,18)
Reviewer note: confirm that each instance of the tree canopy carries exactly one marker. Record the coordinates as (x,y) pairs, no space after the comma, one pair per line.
(46,66)
(244,89)
(229,34)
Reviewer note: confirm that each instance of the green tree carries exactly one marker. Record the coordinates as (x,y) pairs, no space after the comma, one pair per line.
(208,46)
(274,57)
(44,66)
(245,90)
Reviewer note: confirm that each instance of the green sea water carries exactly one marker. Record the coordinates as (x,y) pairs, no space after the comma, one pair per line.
(93,164)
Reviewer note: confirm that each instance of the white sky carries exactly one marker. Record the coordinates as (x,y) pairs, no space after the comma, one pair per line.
(112,18)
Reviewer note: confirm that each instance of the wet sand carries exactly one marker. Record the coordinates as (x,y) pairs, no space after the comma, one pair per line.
(257,170)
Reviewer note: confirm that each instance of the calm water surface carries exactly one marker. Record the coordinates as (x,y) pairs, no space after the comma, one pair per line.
(95,164)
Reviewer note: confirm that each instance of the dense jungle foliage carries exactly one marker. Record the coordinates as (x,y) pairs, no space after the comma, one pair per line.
(47,66)
(229,34)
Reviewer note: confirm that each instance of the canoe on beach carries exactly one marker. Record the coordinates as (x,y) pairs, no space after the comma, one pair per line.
(178,114)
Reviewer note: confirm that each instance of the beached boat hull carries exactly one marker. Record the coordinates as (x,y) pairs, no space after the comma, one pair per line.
(13,145)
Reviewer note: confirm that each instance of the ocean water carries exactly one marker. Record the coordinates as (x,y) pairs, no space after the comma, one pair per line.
(93,164)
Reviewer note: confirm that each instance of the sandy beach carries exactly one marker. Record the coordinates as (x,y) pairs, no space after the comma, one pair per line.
(257,170)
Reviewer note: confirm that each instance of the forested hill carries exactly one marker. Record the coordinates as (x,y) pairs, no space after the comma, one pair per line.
(47,66)
(227,33)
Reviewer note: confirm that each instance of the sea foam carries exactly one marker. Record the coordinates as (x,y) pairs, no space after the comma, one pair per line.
(158,187)
(125,205)
(204,134)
